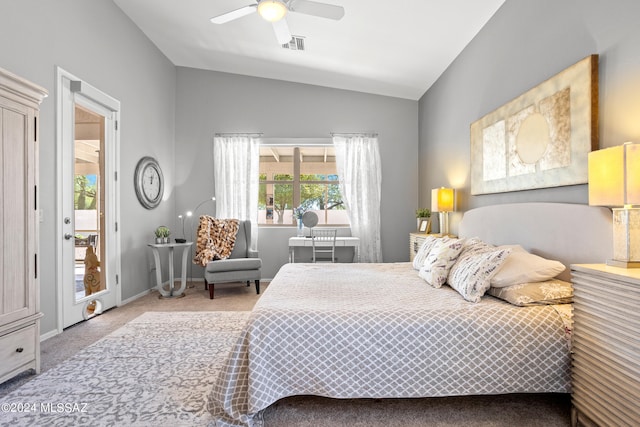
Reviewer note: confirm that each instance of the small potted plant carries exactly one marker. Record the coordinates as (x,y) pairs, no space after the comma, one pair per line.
(166,234)
(162,234)
(422,214)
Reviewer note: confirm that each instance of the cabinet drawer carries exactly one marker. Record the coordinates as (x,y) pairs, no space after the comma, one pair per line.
(415,241)
(17,348)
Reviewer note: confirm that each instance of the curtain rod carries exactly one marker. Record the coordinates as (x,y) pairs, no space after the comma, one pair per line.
(370,134)
(238,134)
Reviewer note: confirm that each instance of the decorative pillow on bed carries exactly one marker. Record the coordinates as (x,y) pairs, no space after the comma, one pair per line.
(471,274)
(439,261)
(474,245)
(523,267)
(424,250)
(553,291)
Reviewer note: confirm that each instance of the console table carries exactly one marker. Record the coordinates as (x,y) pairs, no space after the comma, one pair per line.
(171,292)
(341,242)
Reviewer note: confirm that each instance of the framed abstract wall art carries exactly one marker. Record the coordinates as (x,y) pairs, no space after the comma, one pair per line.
(540,139)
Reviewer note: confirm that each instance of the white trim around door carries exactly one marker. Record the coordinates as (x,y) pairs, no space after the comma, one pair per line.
(72,91)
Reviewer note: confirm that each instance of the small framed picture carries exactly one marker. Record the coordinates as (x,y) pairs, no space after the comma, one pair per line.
(425,226)
(269,199)
(269,213)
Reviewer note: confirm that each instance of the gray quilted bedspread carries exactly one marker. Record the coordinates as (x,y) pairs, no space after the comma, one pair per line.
(379,331)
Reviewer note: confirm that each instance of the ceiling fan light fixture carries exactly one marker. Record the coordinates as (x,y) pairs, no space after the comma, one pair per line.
(272,10)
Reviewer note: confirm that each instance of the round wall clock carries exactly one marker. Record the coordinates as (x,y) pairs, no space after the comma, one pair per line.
(149,182)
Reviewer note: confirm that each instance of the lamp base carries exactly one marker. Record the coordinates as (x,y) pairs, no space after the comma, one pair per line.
(623,264)
(626,237)
(443,217)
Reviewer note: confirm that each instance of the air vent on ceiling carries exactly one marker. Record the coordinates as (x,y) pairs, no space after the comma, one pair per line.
(296,43)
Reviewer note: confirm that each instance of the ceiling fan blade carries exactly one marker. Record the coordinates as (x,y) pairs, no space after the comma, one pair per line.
(234,14)
(281,28)
(323,10)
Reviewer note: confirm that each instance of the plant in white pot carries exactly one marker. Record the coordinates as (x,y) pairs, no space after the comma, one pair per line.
(162,234)
(158,232)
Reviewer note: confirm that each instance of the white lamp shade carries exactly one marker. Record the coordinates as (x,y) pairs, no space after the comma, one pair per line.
(614,180)
(614,176)
(442,200)
(272,10)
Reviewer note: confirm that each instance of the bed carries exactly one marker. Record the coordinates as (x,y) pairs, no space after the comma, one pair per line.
(379,331)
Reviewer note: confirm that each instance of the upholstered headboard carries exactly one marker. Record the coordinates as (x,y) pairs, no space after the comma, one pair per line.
(569,233)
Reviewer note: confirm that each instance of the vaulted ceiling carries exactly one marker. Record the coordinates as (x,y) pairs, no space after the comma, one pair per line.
(394,48)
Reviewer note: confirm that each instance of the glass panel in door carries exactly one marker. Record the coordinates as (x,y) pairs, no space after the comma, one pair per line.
(88,201)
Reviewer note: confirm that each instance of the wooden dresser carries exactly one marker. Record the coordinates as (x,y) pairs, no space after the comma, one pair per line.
(606,346)
(19,288)
(415,241)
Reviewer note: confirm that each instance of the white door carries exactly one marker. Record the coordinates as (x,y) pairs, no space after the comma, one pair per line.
(88,248)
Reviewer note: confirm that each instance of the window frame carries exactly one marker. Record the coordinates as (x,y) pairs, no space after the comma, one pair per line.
(296,182)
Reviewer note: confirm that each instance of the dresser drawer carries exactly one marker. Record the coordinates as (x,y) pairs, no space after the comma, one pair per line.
(17,348)
(415,241)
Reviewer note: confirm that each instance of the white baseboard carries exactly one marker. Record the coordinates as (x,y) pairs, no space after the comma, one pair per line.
(55,332)
(135,297)
(48,335)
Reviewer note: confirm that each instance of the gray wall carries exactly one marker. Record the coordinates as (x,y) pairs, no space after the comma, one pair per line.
(210,102)
(95,41)
(525,43)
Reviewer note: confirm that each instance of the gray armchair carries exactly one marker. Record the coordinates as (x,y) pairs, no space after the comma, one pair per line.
(242,265)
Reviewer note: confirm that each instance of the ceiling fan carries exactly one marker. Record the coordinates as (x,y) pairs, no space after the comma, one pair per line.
(274,11)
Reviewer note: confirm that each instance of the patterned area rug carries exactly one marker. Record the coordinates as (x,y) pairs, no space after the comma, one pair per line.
(157,370)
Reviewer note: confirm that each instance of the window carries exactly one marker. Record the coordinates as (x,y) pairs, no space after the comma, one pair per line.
(299,176)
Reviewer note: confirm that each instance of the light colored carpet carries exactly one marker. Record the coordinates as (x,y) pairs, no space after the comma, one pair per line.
(155,371)
(229,297)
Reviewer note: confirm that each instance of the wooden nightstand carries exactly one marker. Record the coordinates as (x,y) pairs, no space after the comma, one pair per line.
(606,345)
(415,241)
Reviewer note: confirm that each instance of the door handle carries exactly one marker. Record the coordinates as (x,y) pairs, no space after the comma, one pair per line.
(68,236)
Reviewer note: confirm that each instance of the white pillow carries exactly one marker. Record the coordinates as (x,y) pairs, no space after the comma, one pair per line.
(423,252)
(523,267)
(471,274)
(439,261)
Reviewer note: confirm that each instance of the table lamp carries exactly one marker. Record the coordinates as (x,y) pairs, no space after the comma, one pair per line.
(614,181)
(442,202)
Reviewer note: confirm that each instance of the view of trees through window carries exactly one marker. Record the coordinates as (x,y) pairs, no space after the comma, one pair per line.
(305,177)
(85,192)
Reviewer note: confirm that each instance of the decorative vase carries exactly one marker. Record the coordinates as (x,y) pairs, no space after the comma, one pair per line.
(165,240)
(158,240)
(300,230)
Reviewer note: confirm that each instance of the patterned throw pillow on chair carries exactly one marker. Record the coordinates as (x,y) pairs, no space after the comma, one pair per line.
(216,239)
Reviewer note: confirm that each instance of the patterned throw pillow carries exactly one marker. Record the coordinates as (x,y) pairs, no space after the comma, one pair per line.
(538,293)
(423,252)
(439,261)
(474,245)
(471,274)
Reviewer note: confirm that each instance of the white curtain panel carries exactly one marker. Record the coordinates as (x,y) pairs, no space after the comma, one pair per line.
(359,170)
(236,161)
